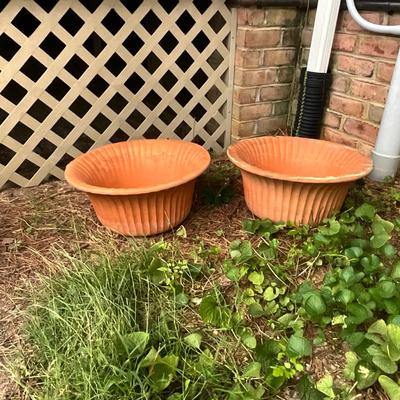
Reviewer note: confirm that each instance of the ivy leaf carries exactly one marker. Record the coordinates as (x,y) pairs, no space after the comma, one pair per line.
(383,362)
(270,294)
(298,346)
(332,229)
(389,251)
(211,312)
(366,376)
(240,250)
(181,300)
(370,263)
(307,391)
(396,270)
(134,343)
(393,347)
(378,240)
(163,372)
(345,296)
(365,211)
(386,289)
(314,305)
(391,388)
(193,340)
(248,339)
(377,332)
(155,272)
(256,310)
(358,314)
(181,232)
(353,252)
(381,229)
(253,370)
(256,278)
(325,386)
(351,363)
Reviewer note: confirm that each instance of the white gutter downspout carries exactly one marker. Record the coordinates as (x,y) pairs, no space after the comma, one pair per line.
(323,34)
(386,155)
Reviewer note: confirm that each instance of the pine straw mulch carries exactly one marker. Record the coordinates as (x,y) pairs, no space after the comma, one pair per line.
(35,221)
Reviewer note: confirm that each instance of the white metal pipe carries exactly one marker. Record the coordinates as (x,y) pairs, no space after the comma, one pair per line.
(323,34)
(386,155)
(386,29)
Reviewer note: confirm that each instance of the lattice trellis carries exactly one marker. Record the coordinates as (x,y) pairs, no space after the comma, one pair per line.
(79,74)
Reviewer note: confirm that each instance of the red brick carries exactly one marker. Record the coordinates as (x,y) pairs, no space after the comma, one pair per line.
(283,16)
(281,108)
(242,129)
(252,111)
(384,72)
(346,21)
(311,17)
(242,16)
(248,58)
(394,19)
(256,16)
(273,124)
(305,53)
(332,119)
(279,57)
(338,137)
(361,129)
(375,113)
(306,36)
(255,77)
(353,65)
(244,95)
(369,91)
(340,83)
(344,42)
(276,92)
(364,148)
(291,37)
(286,74)
(379,46)
(346,106)
(260,38)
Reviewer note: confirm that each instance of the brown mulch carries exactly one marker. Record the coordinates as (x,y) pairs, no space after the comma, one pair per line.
(35,221)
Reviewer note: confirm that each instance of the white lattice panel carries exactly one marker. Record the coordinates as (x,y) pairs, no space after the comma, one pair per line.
(78,74)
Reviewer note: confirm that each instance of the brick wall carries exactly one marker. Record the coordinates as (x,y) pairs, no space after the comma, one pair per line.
(362,65)
(266,55)
(266,80)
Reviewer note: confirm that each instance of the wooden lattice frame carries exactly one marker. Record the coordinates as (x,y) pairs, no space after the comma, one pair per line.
(50,113)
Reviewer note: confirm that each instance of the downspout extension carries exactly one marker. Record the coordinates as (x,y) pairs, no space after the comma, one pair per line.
(315,80)
(386,155)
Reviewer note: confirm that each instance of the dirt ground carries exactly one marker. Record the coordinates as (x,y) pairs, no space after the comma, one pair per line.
(35,221)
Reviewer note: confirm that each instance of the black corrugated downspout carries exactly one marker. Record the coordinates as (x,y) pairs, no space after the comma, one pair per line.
(313,91)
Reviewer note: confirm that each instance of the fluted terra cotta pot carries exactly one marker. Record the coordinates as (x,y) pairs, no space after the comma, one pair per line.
(294,179)
(140,187)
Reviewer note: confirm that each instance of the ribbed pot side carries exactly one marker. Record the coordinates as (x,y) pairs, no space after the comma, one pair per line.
(140,187)
(144,214)
(297,202)
(294,179)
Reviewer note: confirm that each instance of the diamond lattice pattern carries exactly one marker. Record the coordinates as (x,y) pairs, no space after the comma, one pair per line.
(79,74)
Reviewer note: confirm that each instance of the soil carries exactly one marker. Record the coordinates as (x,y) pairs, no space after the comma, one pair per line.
(34,222)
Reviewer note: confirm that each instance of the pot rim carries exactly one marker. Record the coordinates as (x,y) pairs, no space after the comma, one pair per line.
(88,188)
(234,156)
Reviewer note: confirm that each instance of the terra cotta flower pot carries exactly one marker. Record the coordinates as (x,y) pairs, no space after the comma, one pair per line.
(140,187)
(294,179)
